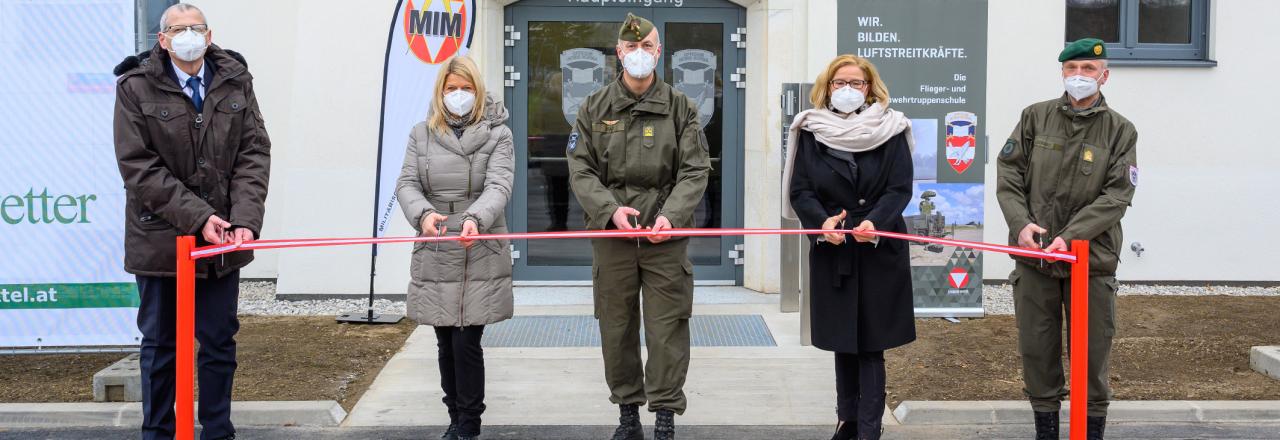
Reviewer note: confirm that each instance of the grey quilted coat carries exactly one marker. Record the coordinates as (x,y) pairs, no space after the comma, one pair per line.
(462,178)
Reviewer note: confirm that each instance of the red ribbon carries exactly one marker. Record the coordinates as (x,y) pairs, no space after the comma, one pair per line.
(214,250)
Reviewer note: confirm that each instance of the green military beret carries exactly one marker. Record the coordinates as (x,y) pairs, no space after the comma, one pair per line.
(1084,49)
(634,28)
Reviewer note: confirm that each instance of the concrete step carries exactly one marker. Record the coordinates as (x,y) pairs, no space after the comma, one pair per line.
(1266,360)
(119,382)
(1155,411)
(320,413)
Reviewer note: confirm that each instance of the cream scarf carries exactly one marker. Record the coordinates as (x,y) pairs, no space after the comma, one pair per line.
(858,133)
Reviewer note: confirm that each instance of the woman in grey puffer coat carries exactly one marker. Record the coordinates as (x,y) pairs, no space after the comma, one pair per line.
(457,179)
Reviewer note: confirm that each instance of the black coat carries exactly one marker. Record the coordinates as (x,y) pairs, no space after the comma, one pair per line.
(860,292)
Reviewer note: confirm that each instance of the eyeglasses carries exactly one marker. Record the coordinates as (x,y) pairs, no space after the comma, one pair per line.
(857,83)
(178,29)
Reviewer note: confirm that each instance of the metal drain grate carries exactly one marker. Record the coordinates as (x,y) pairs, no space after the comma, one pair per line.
(584,331)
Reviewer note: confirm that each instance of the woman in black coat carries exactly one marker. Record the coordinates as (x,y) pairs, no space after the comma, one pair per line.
(850,168)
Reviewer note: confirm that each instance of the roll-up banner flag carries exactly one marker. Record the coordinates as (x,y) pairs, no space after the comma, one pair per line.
(62,278)
(424,34)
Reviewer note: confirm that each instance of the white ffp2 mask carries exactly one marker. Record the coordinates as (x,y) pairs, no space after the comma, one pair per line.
(1080,86)
(639,63)
(188,46)
(460,102)
(847,99)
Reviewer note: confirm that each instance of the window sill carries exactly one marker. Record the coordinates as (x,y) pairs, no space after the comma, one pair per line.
(1161,63)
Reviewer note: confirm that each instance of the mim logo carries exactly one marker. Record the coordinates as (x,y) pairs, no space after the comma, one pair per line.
(436,29)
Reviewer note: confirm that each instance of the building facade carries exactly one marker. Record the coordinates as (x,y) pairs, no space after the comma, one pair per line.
(1202,210)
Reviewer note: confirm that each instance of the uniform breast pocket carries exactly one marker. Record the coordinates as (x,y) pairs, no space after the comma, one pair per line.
(1048,143)
(609,139)
(658,139)
(1092,157)
(649,133)
(1046,158)
(659,134)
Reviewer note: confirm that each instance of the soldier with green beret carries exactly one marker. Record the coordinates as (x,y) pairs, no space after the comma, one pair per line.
(637,156)
(1068,172)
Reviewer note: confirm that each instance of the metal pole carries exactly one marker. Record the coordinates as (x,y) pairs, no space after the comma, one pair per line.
(185,344)
(806,320)
(789,258)
(1079,340)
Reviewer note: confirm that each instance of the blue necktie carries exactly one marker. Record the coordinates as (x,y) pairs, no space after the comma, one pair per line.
(194,84)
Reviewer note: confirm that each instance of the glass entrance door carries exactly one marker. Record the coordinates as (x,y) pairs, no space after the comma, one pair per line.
(567,52)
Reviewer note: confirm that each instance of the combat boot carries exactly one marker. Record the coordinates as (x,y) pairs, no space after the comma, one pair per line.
(665,427)
(1046,425)
(1096,426)
(629,423)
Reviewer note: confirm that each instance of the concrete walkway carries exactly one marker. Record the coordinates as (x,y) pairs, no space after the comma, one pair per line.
(783,386)
(787,385)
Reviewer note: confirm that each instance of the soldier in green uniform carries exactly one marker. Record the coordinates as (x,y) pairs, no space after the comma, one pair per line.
(1068,172)
(926,207)
(637,156)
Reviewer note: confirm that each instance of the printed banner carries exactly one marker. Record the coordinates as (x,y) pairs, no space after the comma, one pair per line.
(424,34)
(62,279)
(932,54)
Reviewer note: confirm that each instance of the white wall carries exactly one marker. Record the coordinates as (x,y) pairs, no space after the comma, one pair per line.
(239,26)
(774,58)
(1204,208)
(318,73)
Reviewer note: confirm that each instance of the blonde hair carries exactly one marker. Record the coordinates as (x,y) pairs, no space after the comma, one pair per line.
(465,68)
(877,91)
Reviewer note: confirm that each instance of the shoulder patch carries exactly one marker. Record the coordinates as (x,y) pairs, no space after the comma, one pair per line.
(1133,175)
(1008,148)
(573,141)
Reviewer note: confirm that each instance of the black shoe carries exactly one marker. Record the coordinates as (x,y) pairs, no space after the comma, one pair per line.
(846,431)
(665,427)
(629,423)
(1046,425)
(451,433)
(468,437)
(229,437)
(1096,425)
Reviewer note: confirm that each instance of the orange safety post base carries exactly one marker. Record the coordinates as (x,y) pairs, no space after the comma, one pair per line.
(184,398)
(1079,340)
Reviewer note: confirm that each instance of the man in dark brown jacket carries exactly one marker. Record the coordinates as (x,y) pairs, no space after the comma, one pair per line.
(195,158)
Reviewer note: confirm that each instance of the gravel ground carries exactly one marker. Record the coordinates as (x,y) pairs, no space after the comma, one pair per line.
(258,298)
(998,299)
